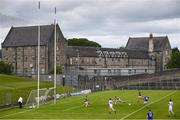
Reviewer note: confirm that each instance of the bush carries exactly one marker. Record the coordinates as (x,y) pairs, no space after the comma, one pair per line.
(5,68)
(58,70)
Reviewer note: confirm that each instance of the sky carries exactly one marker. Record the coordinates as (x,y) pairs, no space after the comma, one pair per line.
(108,22)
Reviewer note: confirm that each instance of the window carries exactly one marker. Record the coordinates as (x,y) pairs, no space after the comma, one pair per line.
(82,61)
(109,71)
(32,71)
(25,69)
(42,71)
(70,61)
(25,59)
(166,52)
(95,71)
(57,58)
(87,60)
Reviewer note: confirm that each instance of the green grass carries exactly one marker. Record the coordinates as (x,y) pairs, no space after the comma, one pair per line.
(72,107)
(15,87)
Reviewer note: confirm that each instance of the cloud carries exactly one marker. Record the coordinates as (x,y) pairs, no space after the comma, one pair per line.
(109,22)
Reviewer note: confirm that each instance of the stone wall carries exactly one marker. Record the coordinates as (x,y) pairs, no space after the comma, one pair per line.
(60,51)
(24,59)
(99,62)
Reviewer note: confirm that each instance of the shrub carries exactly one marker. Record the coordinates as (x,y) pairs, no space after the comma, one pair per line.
(5,68)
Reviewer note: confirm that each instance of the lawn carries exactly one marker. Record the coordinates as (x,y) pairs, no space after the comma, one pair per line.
(72,107)
(12,87)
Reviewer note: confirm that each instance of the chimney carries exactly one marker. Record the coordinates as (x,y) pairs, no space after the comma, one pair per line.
(151,44)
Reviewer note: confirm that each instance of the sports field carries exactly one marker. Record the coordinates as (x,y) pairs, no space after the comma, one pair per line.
(72,107)
(21,86)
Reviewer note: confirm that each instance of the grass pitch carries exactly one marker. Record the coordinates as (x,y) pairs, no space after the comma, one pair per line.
(72,107)
(21,86)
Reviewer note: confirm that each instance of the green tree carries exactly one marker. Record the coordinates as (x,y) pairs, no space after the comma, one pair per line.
(175,59)
(82,42)
(175,50)
(5,68)
(59,70)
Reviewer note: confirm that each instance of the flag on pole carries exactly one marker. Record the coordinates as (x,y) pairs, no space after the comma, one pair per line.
(39,5)
(55,10)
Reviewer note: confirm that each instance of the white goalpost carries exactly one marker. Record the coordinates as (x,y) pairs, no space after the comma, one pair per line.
(45,95)
(38,65)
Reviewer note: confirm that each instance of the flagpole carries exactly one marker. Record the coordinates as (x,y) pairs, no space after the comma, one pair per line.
(38,57)
(55,58)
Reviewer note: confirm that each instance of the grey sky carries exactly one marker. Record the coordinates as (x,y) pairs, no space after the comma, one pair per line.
(108,22)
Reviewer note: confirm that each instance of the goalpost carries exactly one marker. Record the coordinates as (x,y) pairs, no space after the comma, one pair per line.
(45,95)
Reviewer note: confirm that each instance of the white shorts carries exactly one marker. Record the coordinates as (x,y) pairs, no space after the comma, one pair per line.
(110,105)
(145,102)
(170,109)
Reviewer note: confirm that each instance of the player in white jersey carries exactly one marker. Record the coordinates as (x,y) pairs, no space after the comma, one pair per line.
(86,102)
(170,104)
(110,102)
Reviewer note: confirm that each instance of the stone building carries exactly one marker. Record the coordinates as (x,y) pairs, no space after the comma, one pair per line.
(108,61)
(158,48)
(141,54)
(20,49)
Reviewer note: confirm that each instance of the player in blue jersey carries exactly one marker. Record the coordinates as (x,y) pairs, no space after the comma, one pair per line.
(146,98)
(150,115)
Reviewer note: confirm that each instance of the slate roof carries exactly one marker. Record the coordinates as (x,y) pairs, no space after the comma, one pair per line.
(28,35)
(142,43)
(71,51)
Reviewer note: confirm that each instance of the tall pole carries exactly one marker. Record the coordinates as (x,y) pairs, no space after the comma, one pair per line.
(38,57)
(55,58)
(77,61)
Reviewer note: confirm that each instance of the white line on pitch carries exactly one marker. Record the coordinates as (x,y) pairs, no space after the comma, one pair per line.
(15,113)
(146,106)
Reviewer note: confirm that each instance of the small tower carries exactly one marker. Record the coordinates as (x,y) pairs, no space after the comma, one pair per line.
(151,44)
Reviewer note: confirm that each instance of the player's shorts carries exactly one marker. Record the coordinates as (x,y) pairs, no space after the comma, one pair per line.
(145,102)
(86,102)
(110,105)
(139,96)
(170,109)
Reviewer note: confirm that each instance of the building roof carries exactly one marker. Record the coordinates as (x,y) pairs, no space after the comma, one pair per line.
(28,35)
(72,51)
(142,43)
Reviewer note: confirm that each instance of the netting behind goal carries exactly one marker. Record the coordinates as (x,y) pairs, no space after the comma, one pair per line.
(45,95)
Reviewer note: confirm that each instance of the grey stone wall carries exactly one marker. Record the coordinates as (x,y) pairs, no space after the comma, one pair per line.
(24,59)
(60,50)
(99,62)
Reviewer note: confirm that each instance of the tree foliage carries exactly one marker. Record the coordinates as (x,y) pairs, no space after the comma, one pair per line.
(82,42)
(175,59)
(5,68)
(59,70)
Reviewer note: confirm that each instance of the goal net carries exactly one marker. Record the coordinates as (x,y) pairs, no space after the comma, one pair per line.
(45,95)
